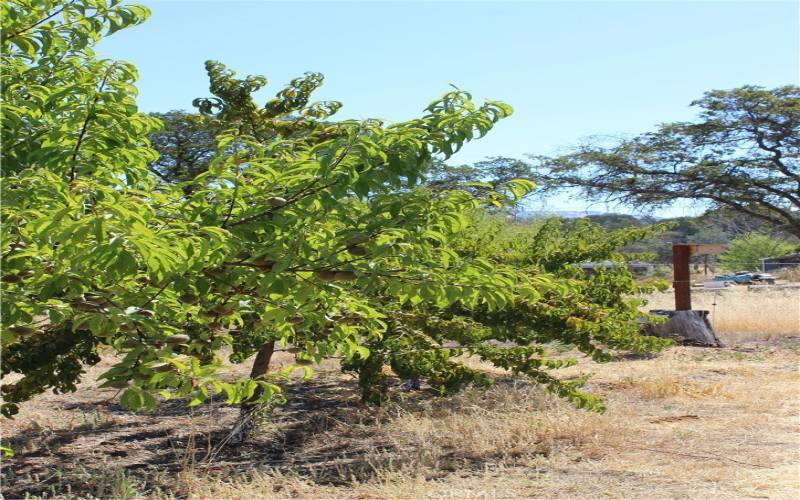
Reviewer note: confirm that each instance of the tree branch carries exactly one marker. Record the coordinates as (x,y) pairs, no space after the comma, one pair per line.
(85,126)
(300,194)
(37,23)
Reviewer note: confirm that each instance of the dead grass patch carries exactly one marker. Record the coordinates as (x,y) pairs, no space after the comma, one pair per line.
(791,274)
(743,314)
(670,386)
(502,425)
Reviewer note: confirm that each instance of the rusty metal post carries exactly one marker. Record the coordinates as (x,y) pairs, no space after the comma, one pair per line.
(680,273)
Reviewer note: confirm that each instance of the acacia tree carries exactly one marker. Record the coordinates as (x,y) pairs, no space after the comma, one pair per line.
(303,230)
(743,154)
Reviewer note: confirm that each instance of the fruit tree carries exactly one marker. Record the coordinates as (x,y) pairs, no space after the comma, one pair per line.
(304,230)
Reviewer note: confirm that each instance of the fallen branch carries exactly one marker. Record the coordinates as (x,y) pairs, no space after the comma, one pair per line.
(707,456)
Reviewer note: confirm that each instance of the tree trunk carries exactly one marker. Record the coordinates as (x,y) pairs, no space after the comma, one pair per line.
(261,363)
(246,423)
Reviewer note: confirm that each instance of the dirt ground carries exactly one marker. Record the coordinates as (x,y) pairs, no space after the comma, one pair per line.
(690,422)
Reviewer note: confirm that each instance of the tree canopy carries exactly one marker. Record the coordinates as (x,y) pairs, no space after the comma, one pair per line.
(743,154)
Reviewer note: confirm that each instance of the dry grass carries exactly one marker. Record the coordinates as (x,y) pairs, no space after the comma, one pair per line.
(742,313)
(789,274)
(670,386)
(727,428)
(690,422)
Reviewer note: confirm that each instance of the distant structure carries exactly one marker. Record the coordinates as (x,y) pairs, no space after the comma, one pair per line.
(636,268)
(776,263)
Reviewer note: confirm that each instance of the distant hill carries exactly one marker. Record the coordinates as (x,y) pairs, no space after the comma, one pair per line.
(567,214)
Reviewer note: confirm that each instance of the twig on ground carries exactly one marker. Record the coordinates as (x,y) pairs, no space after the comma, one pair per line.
(707,456)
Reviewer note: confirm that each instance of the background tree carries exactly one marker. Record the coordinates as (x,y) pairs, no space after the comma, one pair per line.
(186,142)
(483,177)
(618,221)
(743,155)
(745,253)
(735,224)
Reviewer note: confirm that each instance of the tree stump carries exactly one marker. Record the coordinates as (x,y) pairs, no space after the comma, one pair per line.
(684,327)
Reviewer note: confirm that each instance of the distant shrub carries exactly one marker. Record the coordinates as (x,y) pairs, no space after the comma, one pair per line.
(745,253)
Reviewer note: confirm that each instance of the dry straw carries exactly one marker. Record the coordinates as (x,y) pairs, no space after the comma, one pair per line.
(743,313)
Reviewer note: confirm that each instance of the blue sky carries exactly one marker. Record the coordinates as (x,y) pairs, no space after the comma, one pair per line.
(569,69)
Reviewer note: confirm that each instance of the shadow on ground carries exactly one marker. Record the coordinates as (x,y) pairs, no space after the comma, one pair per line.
(83,459)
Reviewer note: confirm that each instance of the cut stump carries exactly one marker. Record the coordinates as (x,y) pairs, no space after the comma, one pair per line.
(684,327)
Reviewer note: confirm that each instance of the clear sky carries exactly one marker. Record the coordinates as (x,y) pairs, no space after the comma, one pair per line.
(569,69)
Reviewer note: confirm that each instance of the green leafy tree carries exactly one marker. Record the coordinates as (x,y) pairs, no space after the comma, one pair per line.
(302,230)
(296,217)
(745,253)
(743,154)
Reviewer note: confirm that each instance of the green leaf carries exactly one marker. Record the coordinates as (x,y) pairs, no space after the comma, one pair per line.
(132,399)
